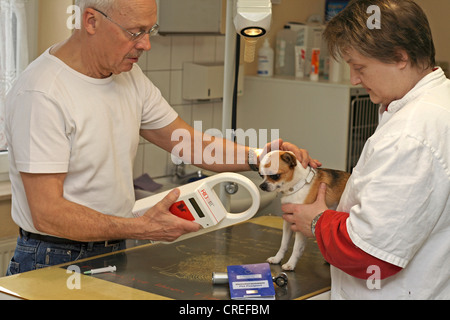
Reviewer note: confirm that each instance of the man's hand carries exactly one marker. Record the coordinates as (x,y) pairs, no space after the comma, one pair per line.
(301,154)
(301,215)
(161,225)
(57,216)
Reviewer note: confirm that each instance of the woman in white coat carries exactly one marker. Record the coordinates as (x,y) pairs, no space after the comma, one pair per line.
(390,236)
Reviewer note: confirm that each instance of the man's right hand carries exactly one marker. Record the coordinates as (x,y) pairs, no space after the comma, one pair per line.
(159,224)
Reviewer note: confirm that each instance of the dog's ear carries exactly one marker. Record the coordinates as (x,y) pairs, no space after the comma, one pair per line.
(289,158)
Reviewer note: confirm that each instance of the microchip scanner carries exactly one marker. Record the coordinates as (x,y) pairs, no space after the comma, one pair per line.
(199,202)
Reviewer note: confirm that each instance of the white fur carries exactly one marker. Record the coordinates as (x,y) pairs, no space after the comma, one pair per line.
(299,242)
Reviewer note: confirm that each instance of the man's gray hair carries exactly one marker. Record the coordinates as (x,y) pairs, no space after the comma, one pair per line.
(103,5)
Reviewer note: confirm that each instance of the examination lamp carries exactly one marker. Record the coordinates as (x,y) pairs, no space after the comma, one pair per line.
(252,20)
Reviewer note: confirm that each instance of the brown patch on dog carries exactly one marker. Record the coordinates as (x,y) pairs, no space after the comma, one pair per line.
(289,158)
(289,162)
(284,167)
(335,180)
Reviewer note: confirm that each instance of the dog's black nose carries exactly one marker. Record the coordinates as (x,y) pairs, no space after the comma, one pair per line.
(263,186)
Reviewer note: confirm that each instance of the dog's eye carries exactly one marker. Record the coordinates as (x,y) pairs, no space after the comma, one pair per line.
(274,177)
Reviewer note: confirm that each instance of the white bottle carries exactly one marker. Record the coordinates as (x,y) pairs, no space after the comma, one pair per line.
(265,60)
(285,52)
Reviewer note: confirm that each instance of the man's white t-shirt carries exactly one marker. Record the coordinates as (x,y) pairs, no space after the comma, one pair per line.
(61,121)
(398,198)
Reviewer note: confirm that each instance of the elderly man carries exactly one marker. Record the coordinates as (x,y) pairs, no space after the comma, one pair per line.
(390,238)
(73,123)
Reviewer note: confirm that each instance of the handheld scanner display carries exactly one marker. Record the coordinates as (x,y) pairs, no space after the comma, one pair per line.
(202,206)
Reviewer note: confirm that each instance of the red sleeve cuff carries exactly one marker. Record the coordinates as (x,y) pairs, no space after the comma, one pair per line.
(339,250)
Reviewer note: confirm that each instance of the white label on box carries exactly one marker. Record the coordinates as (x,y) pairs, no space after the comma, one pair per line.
(250,284)
(249,276)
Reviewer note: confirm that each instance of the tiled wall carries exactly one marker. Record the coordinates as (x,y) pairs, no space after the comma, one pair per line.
(163,64)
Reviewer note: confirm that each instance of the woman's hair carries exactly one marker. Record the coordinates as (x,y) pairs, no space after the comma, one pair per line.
(403,25)
(103,5)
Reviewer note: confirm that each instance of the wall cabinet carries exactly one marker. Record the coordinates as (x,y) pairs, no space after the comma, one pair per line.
(191,16)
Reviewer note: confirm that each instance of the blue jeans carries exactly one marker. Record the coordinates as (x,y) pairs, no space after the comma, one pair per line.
(34,254)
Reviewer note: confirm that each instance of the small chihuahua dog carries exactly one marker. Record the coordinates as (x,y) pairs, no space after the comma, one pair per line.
(282,172)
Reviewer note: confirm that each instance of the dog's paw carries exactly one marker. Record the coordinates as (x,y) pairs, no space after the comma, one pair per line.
(274,260)
(288,267)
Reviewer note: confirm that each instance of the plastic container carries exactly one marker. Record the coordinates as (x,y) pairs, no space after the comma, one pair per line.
(315,61)
(300,61)
(285,52)
(266,57)
(336,70)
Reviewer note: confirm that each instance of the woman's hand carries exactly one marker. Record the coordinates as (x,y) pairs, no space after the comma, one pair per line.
(301,215)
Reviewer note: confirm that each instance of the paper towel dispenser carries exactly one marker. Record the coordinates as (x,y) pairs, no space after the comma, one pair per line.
(204,81)
(191,17)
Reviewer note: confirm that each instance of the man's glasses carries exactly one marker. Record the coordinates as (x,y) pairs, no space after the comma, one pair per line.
(134,36)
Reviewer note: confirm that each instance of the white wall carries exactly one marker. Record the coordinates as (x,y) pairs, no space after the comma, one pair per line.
(163,64)
(52,22)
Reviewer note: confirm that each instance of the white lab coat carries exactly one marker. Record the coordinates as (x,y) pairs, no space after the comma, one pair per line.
(398,198)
